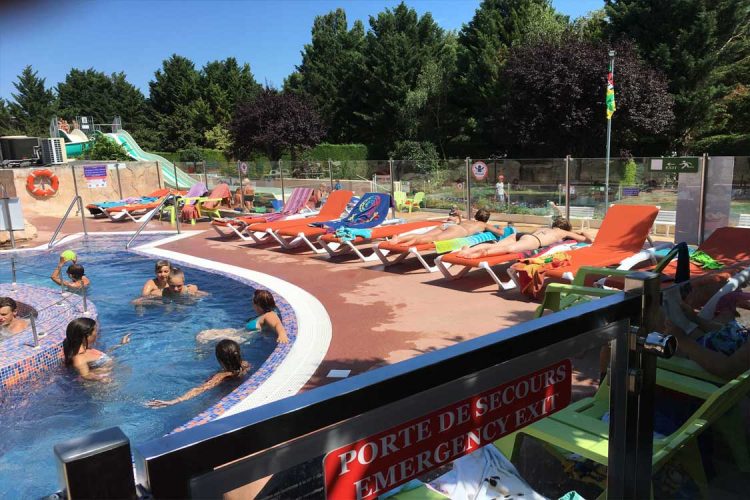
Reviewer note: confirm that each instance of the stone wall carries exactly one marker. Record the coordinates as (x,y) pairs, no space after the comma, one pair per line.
(135,179)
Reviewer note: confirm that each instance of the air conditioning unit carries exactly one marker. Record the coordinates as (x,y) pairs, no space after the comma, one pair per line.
(53,151)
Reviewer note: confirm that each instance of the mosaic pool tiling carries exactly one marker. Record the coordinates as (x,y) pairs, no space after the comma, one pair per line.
(19,359)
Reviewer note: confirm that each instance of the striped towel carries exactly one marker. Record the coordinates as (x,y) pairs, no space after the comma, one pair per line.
(468,241)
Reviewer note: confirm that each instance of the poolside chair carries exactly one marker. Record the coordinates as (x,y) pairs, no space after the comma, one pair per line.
(336,246)
(331,210)
(136,212)
(294,208)
(412,203)
(579,428)
(371,211)
(211,204)
(399,199)
(99,209)
(619,242)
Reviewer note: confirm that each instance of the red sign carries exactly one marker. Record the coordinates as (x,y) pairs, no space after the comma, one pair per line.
(480,170)
(372,466)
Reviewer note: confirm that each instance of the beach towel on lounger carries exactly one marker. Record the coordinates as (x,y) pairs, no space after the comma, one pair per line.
(371,211)
(444,246)
(351,234)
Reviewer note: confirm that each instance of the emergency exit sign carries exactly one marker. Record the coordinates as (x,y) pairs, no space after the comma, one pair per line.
(679,164)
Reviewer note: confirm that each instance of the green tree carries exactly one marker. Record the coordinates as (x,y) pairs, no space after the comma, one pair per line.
(484,42)
(694,42)
(177,104)
(224,85)
(332,65)
(33,105)
(7,127)
(398,46)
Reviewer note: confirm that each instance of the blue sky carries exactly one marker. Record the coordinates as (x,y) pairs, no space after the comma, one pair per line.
(135,36)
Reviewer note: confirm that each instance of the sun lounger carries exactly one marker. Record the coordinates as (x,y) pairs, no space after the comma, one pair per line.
(295,206)
(99,209)
(371,211)
(134,212)
(336,246)
(331,210)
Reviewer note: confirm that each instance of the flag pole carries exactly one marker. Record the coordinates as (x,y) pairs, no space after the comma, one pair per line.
(609,132)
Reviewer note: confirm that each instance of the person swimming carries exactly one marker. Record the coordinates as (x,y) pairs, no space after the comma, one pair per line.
(154,286)
(177,288)
(447,231)
(10,323)
(90,363)
(75,272)
(267,321)
(229,356)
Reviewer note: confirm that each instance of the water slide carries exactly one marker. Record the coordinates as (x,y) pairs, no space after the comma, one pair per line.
(168,169)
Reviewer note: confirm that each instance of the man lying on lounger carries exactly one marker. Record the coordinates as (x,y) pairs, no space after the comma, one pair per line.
(521,242)
(447,231)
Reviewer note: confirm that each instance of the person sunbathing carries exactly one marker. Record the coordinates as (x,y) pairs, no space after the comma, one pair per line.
(447,231)
(521,242)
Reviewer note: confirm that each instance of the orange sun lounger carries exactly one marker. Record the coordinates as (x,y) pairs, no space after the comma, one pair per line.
(385,250)
(331,210)
(124,212)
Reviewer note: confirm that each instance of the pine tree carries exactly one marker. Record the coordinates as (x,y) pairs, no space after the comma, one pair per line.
(33,105)
(174,96)
(224,85)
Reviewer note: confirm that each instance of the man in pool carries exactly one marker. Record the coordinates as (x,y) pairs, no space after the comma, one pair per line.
(520,242)
(176,286)
(448,231)
(10,323)
(75,272)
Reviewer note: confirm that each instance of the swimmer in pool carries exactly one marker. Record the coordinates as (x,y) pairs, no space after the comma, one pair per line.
(232,366)
(90,363)
(267,321)
(447,231)
(176,286)
(155,286)
(10,323)
(520,242)
(75,272)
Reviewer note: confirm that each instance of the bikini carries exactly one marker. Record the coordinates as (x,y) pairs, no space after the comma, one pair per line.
(100,361)
(519,235)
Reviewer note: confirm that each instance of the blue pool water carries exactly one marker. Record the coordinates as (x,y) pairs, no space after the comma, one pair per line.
(162,361)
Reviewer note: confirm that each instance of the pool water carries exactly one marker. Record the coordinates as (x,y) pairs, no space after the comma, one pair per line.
(162,361)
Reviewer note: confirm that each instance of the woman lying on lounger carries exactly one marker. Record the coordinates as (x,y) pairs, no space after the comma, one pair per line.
(447,231)
(521,242)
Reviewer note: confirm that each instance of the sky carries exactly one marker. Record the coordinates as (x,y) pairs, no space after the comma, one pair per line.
(135,36)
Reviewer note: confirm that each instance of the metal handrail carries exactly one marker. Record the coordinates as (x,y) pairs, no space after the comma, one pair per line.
(76,199)
(151,216)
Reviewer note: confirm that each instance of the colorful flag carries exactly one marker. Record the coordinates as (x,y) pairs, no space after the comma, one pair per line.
(610,95)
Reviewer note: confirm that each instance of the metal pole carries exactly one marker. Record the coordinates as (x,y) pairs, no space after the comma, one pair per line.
(83,296)
(702,200)
(33,331)
(119,184)
(13,272)
(330,172)
(6,214)
(75,182)
(468,189)
(205,174)
(176,182)
(178,214)
(281,173)
(609,137)
(158,174)
(83,216)
(393,186)
(239,181)
(567,187)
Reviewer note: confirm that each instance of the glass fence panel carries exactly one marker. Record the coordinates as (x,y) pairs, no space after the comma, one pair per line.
(740,205)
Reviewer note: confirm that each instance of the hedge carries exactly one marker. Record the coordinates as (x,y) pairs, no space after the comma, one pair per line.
(210,156)
(337,152)
(737,145)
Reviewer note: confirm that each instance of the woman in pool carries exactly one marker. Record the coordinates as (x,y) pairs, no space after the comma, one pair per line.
(176,286)
(75,272)
(229,357)
(90,363)
(267,321)
(155,286)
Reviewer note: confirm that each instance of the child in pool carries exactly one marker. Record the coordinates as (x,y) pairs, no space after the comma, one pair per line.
(176,286)
(10,323)
(75,272)
(266,321)
(155,286)
(90,363)
(229,357)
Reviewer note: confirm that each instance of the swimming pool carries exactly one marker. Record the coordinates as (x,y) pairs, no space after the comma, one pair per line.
(162,360)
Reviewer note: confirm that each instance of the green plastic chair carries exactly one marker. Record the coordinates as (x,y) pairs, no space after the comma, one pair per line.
(399,198)
(414,202)
(579,428)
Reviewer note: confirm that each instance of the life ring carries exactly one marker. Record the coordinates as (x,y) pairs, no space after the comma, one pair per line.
(46,189)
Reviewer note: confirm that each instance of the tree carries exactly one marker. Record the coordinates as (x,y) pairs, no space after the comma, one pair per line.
(273,123)
(33,106)
(104,148)
(558,107)
(398,46)
(332,65)
(225,84)
(7,127)
(484,43)
(690,41)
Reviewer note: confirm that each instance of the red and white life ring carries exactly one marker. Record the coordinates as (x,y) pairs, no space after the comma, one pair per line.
(46,188)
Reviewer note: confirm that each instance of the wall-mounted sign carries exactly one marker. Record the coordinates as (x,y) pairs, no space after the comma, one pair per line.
(376,464)
(243,167)
(479,170)
(95,175)
(679,164)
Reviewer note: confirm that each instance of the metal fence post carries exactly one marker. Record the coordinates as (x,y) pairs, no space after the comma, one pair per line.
(176,181)
(468,188)
(702,200)
(281,173)
(330,172)
(83,216)
(158,174)
(119,183)
(567,187)
(205,174)
(393,186)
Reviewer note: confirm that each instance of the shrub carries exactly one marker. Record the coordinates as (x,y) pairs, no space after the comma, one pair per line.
(337,152)
(193,153)
(727,144)
(104,148)
(629,173)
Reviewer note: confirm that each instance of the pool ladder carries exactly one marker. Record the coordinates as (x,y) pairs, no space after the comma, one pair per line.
(153,212)
(77,200)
